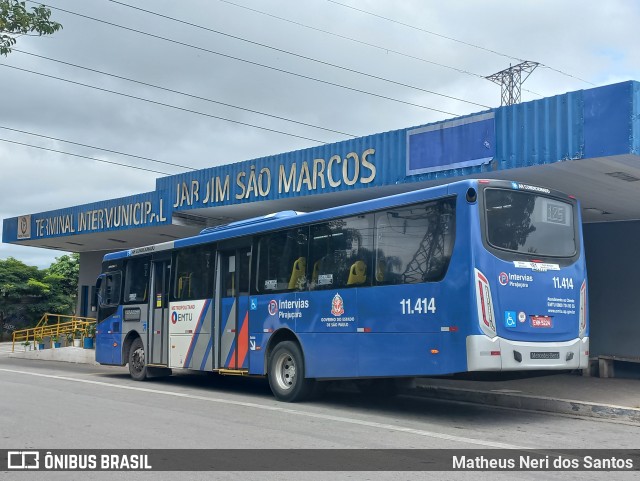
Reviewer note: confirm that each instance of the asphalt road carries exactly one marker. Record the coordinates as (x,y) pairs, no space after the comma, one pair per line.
(53,405)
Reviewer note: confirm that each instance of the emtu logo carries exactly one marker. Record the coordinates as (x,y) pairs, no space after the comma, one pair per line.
(174,317)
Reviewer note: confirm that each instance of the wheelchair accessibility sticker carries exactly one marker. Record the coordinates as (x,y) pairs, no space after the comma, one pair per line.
(510,318)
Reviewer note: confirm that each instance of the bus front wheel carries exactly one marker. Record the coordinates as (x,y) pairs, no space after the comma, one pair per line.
(137,361)
(286,373)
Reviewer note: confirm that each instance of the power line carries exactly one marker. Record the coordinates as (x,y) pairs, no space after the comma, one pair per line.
(155,102)
(183,93)
(362,42)
(351,39)
(453,39)
(288,52)
(425,30)
(98,148)
(84,157)
(566,74)
(177,42)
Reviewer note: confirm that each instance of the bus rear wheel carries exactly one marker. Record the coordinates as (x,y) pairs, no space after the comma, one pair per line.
(286,373)
(137,361)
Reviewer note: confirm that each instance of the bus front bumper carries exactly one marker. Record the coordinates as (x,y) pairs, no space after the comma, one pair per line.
(498,354)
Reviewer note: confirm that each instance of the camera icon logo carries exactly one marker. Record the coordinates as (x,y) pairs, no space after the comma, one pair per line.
(23,460)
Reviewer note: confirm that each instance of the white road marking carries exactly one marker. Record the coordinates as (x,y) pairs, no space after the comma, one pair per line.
(295,412)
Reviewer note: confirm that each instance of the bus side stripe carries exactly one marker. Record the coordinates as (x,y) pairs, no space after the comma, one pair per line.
(194,338)
(243,341)
(231,358)
(206,354)
(227,341)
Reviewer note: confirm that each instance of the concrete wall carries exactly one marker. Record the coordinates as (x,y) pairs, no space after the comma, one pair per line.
(90,267)
(613,270)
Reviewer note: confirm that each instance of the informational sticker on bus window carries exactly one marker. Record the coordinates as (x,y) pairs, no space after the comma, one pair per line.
(271,284)
(325,279)
(536,266)
(555,212)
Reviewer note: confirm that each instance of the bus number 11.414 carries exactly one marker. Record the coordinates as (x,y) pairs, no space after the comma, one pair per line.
(423,305)
(563,282)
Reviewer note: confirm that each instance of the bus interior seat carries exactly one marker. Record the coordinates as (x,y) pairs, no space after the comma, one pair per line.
(357,273)
(381,268)
(316,271)
(298,272)
(184,282)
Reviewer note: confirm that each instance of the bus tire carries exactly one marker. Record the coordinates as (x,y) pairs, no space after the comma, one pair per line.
(286,373)
(137,360)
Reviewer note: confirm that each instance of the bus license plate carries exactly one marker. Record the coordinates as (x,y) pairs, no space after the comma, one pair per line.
(545,355)
(541,321)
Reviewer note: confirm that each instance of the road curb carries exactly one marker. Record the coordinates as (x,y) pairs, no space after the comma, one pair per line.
(531,403)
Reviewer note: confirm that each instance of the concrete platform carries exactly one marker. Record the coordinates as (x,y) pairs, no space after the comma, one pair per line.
(572,394)
(64,354)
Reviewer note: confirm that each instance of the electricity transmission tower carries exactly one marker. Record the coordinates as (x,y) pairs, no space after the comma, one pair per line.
(511,80)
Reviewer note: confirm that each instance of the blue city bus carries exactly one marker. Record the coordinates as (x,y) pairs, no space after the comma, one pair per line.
(476,275)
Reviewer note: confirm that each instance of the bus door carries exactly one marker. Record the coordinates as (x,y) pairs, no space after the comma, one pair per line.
(159,323)
(232,312)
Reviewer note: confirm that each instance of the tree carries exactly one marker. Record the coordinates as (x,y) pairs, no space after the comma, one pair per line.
(27,292)
(62,277)
(15,20)
(21,291)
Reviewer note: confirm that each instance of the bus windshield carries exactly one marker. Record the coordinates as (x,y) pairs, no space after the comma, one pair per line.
(527,223)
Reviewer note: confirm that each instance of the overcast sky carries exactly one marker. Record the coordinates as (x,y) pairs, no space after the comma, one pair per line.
(590,43)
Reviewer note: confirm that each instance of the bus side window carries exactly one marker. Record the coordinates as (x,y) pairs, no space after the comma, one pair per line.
(136,280)
(340,252)
(414,243)
(282,261)
(194,268)
(109,294)
(97,293)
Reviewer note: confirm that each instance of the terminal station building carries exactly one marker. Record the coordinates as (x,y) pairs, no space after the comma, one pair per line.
(584,143)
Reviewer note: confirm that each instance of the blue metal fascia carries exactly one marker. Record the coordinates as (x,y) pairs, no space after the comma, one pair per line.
(609,119)
(365,162)
(132,212)
(540,132)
